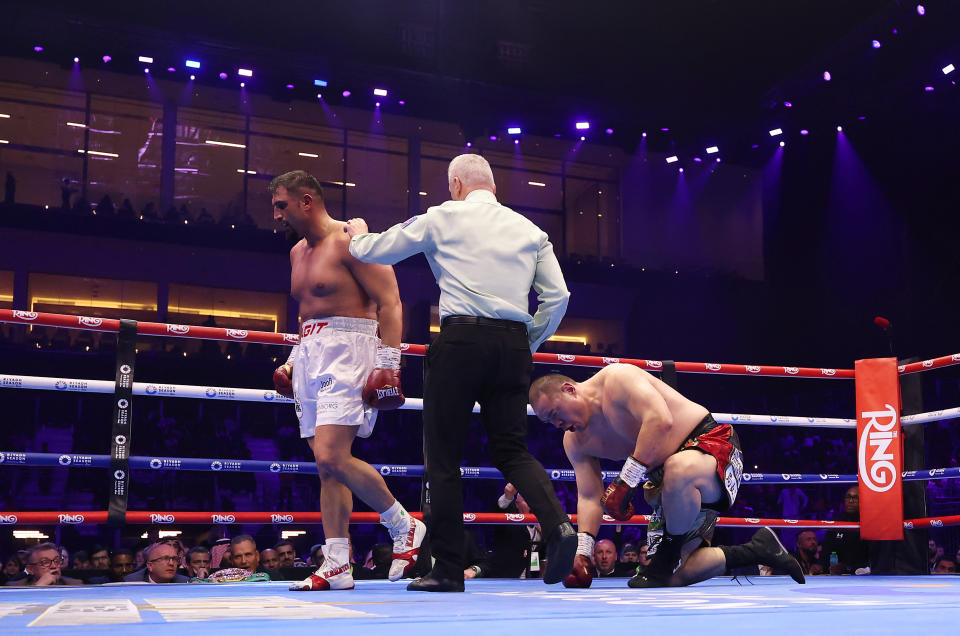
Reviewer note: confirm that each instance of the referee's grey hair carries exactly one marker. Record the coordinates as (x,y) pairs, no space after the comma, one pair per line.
(473,170)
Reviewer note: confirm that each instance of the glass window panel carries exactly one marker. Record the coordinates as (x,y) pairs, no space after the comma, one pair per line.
(230,308)
(39,117)
(593,218)
(133,131)
(6,290)
(376,187)
(84,296)
(39,175)
(376,141)
(443,152)
(433,182)
(208,173)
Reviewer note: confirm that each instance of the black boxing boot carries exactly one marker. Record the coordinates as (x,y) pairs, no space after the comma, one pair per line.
(763,548)
(664,562)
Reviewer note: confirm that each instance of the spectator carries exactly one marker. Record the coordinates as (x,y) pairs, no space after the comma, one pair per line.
(288,555)
(81,560)
(629,554)
(162,561)
(245,555)
(605,561)
(44,567)
(377,563)
(316,555)
(12,568)
(198,562)
(806,553)
(66,191)
(99,558)
(852,552)
(945,566)
(105,207)
(205,218)
(270,559)
(126,211)
(121,565)
(10,195)
(149,213)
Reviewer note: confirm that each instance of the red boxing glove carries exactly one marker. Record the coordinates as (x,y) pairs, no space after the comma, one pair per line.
(617,498)
(382,390)
(582,576)
(282,380)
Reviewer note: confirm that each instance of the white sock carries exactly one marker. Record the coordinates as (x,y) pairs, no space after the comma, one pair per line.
(337,550)
(395,518)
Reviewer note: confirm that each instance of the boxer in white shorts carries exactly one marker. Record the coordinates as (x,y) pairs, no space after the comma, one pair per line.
(341,373)
(330,366)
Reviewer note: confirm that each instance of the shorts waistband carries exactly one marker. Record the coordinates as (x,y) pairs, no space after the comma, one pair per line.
(312,328)
(512,325)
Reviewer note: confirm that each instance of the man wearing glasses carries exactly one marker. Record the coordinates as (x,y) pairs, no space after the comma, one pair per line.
(162,561)
(44,566)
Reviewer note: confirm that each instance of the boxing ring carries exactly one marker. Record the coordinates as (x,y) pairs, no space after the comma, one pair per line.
(510,606)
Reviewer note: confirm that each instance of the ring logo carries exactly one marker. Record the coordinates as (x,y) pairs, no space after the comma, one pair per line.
(274,467)
(119,475)
(240,334)
(608,518)
(210,392)
(554,474)
(654,364)
(291,337)
(120,440)
(747,477)
(936,523)
(752,520)
(563,357)
(791,370)
(384,470)
(878,472)
(223,519)
(178,329)
(269,395)
(155,463)
(827,522)
(469,516)
(125,369)
(6,520)
(404,346)
(60,385)
(515,517)
(90,322)
(216,465)
(274,518)
(955,357)
(791,521)
(25,315)
(927,364)
(64,460)
(68,518)
(712,366)
(901,368)
(828,371)
(611,360)
(753,368)
(122,403)
(151,389)
(908,525)
(161,518)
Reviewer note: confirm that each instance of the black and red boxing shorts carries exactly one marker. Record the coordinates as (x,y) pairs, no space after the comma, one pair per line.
(721,442)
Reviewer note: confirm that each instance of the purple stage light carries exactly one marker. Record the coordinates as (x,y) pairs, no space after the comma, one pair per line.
(245,72)
(698,159)
(146,59)
(788,104)
(664,129)
(862,117)
(469,144)
(147,70)
(243,84)
(401,103)
(583,138)
(826,76)
(377,104)
(644,135)
(583,125)
(755,146)
(380,92)
(681,170)
(192,64)
(875,44)
(782,144)
(949,68)
(321,83)
(493,137)
(672,159)
(712,150)
(514,130)
(516,142)
(346,93)
(193,77)
(718,159)
(38,49)
(171,69)
(929,89)
(76,60)
(839,128)
(106,58)
(776,131)
(290,87)
(222,76)
(319,96)
(804,132)
(895,31)
(921,10)
(609,131)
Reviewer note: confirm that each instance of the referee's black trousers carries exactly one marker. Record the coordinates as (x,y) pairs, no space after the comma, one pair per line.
(489,364)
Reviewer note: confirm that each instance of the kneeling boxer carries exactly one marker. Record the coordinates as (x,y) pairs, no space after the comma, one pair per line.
(693,465)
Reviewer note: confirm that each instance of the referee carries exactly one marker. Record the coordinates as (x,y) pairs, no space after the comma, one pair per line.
(485,258)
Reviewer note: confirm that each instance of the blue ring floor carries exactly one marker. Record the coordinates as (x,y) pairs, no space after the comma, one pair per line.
(499,607)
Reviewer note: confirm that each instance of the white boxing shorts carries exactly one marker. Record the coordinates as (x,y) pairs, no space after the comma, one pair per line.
(330,367)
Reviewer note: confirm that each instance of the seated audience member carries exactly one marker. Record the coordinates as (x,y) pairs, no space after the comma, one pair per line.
(81,560)
(316,555)
(162,560)
(205,218)
(629,554)
(269,559)
(377,563)
(120,566)
(807,552)
(945,566)
(99,558)
(198,562)
(12,569)
(243,547)
(288,555)
(605,561)
(44,567)
(852,552)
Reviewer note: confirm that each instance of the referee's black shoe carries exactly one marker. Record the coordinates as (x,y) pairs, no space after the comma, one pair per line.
(561,549)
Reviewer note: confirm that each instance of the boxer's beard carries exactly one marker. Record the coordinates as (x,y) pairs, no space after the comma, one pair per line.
(292,236)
